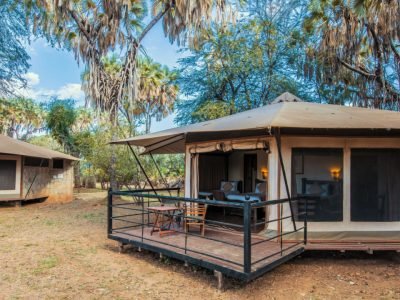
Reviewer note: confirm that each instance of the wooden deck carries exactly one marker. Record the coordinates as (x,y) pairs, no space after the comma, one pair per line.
(229,256)
(213,251)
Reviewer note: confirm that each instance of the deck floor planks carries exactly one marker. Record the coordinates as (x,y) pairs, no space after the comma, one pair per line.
(203,246)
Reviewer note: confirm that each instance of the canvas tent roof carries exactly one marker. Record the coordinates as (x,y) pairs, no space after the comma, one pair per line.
(287,111)
(12,146)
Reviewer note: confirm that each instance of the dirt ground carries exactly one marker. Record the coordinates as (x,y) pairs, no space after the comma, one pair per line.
(61,251)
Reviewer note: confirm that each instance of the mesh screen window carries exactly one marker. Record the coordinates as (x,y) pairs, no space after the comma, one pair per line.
(8,173)
(375,185)
(58,164)
(36,162)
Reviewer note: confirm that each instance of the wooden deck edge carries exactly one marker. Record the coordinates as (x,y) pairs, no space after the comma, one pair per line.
(365,246)
(22,199)
(246,277)
(182,257)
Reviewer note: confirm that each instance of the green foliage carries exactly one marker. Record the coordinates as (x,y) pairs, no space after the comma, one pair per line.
(13,56)
(98,152)
(354,52)
(236,67)
(46,141)
(21,117)
(157,92)
(210,110)
(60,119)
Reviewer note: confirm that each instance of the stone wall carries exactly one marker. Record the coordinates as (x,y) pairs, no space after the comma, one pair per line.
(56,184)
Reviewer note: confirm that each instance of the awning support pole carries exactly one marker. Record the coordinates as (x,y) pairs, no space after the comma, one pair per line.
(142,169)
(34,179)
(277,134)
(159,172)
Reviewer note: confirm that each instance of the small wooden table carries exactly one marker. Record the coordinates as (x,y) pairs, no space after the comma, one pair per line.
(164,218)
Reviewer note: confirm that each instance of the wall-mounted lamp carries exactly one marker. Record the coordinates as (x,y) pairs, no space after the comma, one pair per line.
(264,173)
(335,173)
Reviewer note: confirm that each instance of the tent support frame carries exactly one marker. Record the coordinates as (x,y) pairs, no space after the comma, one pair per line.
(277,135)
(160,173)
(141,168)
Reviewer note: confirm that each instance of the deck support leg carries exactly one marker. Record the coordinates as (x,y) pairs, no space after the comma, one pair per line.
(139,249)
(18,203)
(161,256)
(370,251)
(396,256)
(186,264)
(121,247)
(220,279)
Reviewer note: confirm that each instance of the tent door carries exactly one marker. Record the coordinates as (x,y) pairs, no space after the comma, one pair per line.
(250,172)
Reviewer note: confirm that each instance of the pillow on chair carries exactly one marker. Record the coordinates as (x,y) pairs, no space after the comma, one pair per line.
(261,188)
(229,186)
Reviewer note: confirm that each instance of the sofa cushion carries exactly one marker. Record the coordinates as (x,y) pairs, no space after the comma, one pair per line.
(261,188)
(243,197)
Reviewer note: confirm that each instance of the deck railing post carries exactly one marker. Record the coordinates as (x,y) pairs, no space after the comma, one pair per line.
(109,211)
(143,212)
(148,212)
(247,236)
(281,227)
(305,222)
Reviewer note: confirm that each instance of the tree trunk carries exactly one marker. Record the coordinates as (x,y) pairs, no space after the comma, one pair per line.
(114,122)
(77,172)
(10,129)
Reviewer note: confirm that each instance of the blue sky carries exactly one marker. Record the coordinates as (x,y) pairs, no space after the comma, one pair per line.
(55,72)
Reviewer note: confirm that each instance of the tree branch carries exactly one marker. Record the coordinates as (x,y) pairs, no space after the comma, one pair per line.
(132,52)
(369,76)
(153,22)
(396,53)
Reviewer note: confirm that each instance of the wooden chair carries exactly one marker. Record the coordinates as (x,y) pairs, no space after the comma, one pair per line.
(195,215)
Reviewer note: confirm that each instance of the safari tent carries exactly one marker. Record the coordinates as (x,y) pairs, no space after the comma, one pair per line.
(332,171)
(29,172)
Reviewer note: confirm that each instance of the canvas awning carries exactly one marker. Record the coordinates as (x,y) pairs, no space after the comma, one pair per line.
(287,111)
(15,147)
(229,145)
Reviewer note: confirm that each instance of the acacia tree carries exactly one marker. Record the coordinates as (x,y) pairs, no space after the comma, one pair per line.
(70,127)
(359,49)
(244,65)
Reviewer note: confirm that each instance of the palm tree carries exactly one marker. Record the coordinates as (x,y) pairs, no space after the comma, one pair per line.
(20,118)
(157,91)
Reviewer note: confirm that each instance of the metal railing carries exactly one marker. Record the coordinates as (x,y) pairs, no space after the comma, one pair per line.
(129,216)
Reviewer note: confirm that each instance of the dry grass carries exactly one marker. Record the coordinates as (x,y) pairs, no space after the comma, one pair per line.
(61,251)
